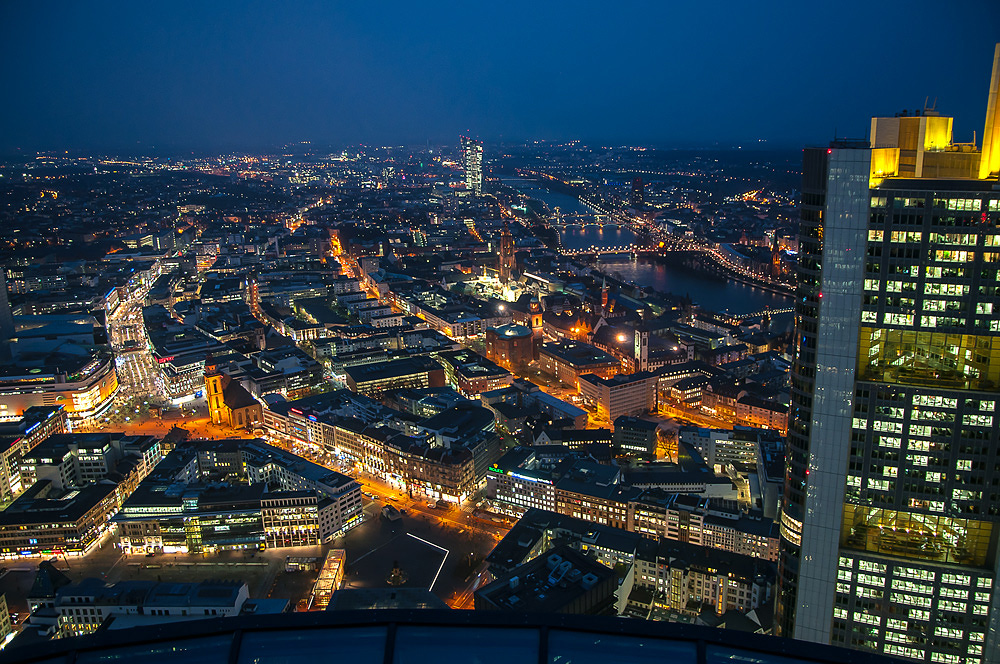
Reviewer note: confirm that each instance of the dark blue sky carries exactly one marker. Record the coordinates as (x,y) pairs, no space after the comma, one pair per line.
(212,74)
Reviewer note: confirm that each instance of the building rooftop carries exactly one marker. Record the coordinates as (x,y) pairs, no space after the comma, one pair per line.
(618,379)
(512,330)
(364,373)
(471,365)
(533,526)
(548,583)
(576,353)
(40,505)
(714,561)
(57,445)
(630,422)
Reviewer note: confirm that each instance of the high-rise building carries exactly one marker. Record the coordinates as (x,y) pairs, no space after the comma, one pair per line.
(472,163)
(507,263)
(6,317)
(637,200)
(891,513)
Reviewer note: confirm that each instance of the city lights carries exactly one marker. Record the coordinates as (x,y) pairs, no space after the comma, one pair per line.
(389,338)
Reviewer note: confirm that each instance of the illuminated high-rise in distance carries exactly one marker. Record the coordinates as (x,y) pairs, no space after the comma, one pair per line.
(637,199)
(472,163)
(891,513)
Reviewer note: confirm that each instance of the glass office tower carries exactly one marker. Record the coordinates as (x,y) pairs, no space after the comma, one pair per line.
(891,512)
(472,164)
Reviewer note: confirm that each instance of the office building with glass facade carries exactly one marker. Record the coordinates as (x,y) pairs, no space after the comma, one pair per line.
(472,164)
(891,510)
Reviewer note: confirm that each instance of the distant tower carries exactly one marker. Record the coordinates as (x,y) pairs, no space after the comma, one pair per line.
(535,308)
(472,163)
(506,254)
(6,318)
(604,297)
(637,198)
(641,348)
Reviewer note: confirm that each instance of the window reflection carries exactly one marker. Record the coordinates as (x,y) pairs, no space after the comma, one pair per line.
(360,646)
(191,651)
(584,648)
(726,655)
(488,645)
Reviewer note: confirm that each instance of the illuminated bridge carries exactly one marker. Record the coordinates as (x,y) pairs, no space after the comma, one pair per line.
(583,219)
(756,314)
(601,250)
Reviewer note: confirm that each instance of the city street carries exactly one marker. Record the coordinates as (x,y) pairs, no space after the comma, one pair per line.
(686,416)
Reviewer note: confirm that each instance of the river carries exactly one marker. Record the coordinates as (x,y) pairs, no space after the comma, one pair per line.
(708,291)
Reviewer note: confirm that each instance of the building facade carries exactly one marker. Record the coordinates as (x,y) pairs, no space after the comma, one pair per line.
(624,394)
(511,346)
(472,164)
(889,520)
(85,391)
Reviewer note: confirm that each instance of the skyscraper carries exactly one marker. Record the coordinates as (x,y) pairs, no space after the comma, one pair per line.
(472,163)
(6,318)
(637,200)
(891,513)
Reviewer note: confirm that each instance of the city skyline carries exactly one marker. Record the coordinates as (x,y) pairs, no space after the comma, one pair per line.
(248,77)
(580,317)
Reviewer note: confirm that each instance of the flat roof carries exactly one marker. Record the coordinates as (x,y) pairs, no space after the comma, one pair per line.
(364,373)
(576,353)
(541,584)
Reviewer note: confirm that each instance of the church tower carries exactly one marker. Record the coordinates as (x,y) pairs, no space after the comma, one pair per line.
(641,348)
(215,383)
(507,263)
(535,309)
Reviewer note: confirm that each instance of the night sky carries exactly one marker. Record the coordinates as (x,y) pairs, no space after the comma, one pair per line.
(144,76)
